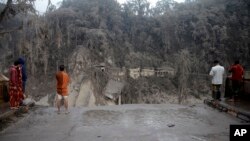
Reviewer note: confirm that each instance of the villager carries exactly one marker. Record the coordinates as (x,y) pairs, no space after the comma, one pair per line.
(237,78)
(24,74)
(62,88)
(216,72)
(20,83)
(15,85)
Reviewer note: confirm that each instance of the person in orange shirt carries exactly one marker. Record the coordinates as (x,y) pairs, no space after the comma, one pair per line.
(62,88)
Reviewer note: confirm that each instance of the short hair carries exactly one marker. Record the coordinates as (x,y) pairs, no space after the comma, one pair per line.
(236,62)
(216,61)
(16,63)
(61,67)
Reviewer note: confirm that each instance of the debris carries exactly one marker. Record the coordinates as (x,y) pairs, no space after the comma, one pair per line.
(170,125)
(192,106)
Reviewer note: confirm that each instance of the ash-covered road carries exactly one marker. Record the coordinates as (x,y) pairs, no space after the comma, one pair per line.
(165,122)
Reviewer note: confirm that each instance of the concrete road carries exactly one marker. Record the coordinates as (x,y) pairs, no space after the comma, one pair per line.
(166,122)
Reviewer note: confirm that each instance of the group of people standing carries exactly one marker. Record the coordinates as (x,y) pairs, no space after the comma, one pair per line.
(17,83)
(18,79)
(217,73)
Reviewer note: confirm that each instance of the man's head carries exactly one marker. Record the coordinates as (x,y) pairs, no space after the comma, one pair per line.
(216,62)
(21,60)
(236,62)
(16,63)
(61,67)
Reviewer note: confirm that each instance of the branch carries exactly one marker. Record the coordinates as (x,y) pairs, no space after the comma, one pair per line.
(5,10)
(12,8)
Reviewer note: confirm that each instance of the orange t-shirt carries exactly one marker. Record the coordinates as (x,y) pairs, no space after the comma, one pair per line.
(62,83)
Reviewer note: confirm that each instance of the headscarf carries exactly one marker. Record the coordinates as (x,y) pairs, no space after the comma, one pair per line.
(24,74)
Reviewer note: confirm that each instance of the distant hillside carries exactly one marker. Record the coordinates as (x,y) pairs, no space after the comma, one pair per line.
(82,33)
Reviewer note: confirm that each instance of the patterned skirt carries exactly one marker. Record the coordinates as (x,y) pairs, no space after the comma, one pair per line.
(16,96)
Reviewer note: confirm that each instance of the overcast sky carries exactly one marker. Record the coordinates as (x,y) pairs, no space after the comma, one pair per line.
(42,4)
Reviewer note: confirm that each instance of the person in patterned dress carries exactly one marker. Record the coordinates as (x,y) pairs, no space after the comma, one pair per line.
(15,86)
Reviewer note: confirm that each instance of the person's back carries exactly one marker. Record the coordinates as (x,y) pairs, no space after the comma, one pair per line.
(217,74)
(217,79)
(62,88)
(13,75)
(15,86)
(24,74)
(237,77)
(237,72)
(62,82)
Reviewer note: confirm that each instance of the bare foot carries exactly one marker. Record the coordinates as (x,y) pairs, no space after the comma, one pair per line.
(13,108)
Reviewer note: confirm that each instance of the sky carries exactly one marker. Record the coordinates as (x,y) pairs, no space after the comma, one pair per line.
(41,5)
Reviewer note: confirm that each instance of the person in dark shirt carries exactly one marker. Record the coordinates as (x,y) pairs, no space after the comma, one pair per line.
(24,74)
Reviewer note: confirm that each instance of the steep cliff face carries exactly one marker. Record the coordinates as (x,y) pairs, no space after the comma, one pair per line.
(82,34)
(84,97)
(81,85)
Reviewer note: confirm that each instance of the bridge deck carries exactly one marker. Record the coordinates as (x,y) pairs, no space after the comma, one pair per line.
(168,122)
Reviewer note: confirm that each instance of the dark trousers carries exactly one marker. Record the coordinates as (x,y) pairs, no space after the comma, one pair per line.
(216,94)
(24,84)
(228,88)
(236,88)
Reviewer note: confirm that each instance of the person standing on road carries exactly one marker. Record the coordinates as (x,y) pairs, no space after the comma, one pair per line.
(237,77)
(217,73)
(62,88)
(20,83)
(24,74)
(15,86)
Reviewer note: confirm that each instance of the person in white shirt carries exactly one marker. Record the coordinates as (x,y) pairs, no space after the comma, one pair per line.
(217,73)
